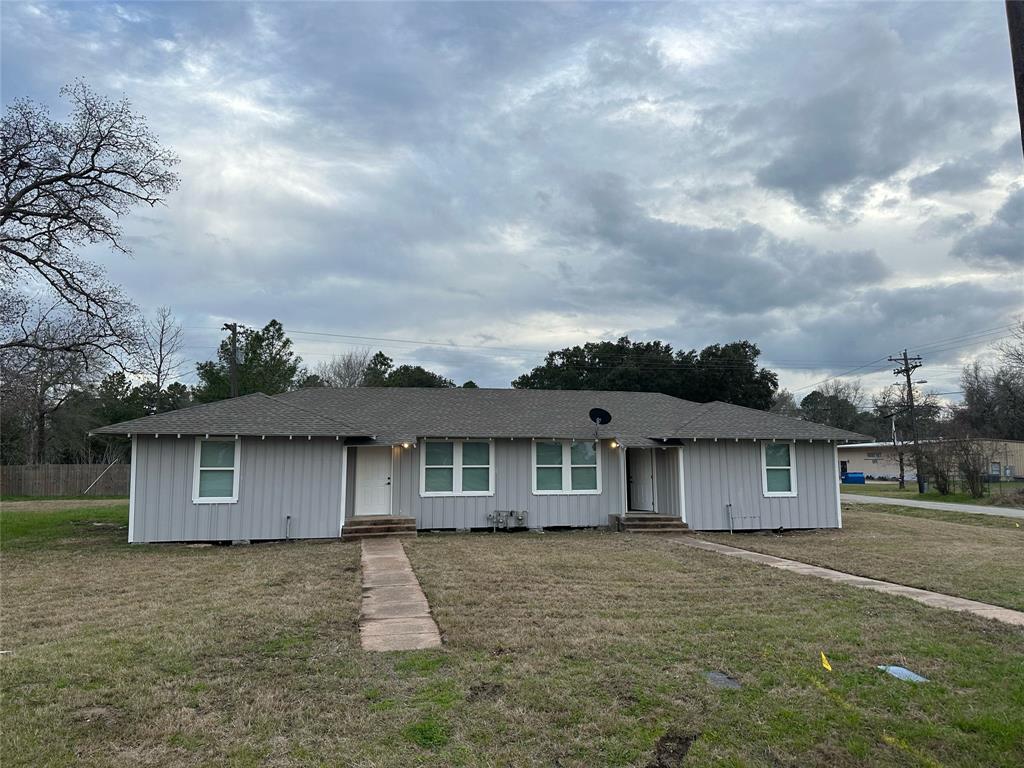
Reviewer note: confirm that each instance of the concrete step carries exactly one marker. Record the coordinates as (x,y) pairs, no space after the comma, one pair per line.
(634,522)
(674,529)
(348,535)
(380,520)
(379,528)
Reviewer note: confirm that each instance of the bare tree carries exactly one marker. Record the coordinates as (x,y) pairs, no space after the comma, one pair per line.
(1011,351)
(851,391)
(162,342)
(784,404)
(65,185)
(345,370)
(973,460)
(37,381)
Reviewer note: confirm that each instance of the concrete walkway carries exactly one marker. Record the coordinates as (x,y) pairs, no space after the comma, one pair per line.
(933,599)
(395,615)
(856,498)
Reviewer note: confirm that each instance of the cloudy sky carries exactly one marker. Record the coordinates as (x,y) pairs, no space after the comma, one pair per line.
(833,182)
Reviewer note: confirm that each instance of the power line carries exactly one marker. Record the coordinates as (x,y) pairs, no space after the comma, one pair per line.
(962,340)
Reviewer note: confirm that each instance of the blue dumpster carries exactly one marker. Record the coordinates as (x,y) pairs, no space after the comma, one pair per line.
(853,478)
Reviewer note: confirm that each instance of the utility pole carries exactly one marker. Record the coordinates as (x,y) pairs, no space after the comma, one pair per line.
(899,452)
(233,327)
(909,365)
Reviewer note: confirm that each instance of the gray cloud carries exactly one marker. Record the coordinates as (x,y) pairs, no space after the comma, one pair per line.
(961,175)
(1000,243)
(946,226)
(530,176)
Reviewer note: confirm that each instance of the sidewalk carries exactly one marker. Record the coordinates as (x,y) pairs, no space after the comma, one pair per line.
(856,498)
(932,599)
(395,615)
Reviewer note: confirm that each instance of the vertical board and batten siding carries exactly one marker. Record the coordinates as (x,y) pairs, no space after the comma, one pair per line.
(666,472)
(727,472)
(513,491)
(278,477)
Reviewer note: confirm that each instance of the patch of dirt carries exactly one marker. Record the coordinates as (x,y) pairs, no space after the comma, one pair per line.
(485,691)
(95,524)
(501,651)
(671,750)
(96,715)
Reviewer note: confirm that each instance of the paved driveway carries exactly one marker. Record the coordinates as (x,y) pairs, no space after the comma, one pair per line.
(852,498)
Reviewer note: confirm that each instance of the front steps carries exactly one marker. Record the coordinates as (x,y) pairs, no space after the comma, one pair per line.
(642,522)
(378,527)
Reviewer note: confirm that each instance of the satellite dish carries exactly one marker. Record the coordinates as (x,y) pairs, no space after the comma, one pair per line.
(600,416)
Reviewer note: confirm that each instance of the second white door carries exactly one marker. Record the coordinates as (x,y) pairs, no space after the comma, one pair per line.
(641,479)
(373,481)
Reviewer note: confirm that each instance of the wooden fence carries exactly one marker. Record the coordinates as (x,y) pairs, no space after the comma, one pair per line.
(64,479)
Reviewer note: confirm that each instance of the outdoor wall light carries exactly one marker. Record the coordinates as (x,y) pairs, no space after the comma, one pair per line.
(406,445)
(613,444)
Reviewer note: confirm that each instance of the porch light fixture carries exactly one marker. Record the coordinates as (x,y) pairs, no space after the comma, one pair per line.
(406,445)
(613,444)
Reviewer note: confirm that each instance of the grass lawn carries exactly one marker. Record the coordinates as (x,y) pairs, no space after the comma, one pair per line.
(63,498)
(577,649)
(976,556)
(1007,494)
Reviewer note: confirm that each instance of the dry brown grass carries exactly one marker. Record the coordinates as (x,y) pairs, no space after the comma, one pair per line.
(982,561)
(578,649)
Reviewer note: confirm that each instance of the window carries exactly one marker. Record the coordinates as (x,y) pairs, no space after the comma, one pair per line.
(456,468)
(216,471)
(778,469)
(566,467)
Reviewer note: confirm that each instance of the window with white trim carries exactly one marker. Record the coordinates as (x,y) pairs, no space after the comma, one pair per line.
(216,470)
(457,468)
(566,467)
(778,469)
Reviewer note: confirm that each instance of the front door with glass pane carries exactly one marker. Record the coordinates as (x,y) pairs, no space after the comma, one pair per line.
(373,481)
(641,479)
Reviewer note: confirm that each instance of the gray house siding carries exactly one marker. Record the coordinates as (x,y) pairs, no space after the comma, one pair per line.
(513,491)
(278,477)
(307,478)
(721,473)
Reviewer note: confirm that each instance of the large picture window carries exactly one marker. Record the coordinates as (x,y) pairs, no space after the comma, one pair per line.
(457,468)
(215,480)
(778,469)
(566,467)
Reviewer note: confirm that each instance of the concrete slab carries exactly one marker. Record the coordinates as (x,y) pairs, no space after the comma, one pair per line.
(976,509)
(400,643)
(923,596)
(395,614)
(395,610)
(389,579)
(418,625)
(394,592)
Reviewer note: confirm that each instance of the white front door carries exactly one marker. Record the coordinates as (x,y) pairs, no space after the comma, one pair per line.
(641,479)
(373,481)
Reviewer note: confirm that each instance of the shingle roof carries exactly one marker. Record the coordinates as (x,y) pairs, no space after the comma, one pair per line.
(392,415)
(255,414)
(412,413)
(724,420)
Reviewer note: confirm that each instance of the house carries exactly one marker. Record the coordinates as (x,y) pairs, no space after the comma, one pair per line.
(880,460)
(315,463)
